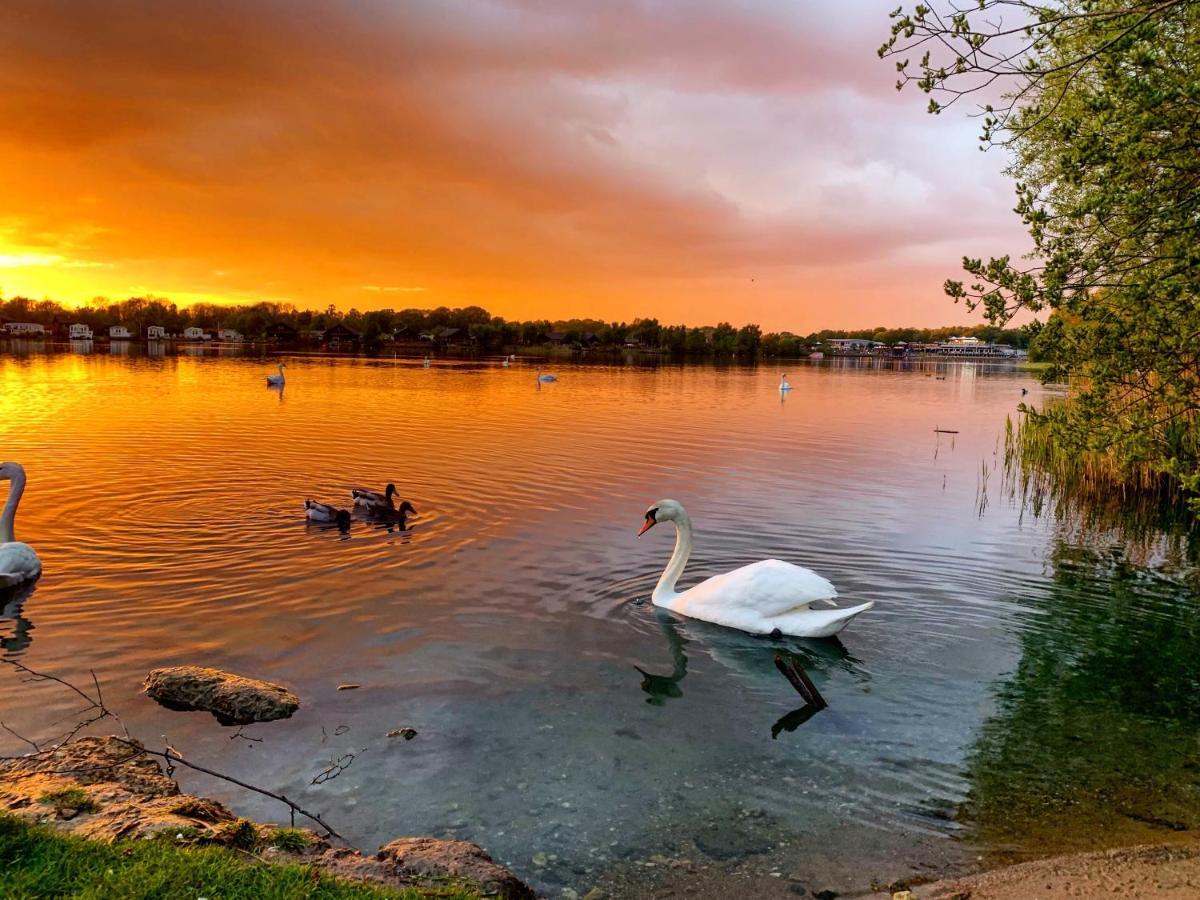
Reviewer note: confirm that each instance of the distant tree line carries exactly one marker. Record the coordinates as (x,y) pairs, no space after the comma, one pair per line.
(475,326)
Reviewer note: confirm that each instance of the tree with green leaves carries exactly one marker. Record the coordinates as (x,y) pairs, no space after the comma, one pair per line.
(1097,104)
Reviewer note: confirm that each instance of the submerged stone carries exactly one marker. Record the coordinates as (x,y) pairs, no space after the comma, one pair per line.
(233,699)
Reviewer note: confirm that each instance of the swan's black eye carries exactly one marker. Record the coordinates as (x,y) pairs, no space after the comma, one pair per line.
(650,516)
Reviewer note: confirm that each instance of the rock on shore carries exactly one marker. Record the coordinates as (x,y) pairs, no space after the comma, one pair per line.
(107,789)
(233,699)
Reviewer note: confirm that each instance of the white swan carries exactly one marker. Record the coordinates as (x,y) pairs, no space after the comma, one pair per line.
(541,377)
(426,364)
(505,362)
(783,383)
(18,562)
(316,511)
(277,380)
(761,598)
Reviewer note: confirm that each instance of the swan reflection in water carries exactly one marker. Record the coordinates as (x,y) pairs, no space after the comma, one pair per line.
(16,637)
(752,659)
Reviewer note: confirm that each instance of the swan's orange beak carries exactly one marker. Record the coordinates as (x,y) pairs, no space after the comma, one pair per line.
(646,526)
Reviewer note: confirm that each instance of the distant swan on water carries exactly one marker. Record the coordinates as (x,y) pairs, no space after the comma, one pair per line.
(762,598)
(783,383)
(316,511)
(541,377)
(426,363)
(277,380)
(19,563)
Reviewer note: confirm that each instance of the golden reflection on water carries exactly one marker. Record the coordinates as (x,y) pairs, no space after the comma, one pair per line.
(165,498)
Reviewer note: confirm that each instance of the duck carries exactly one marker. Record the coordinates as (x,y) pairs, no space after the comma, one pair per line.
(392,513)
(277,380)
(546,378)
(19,563)
(371,499)
(783,383)
(315,511)
(765,597)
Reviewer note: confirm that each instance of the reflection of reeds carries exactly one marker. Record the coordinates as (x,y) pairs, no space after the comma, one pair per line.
(1093,492)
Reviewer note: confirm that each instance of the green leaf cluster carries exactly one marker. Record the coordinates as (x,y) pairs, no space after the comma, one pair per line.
(1100,114)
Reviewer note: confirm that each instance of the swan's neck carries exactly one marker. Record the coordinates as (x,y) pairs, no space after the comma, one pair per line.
(665,591)
(16,488)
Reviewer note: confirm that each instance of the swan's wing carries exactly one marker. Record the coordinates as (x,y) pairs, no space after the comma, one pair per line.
(769,588)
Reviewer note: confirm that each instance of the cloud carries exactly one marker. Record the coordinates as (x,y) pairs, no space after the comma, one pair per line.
(537,158)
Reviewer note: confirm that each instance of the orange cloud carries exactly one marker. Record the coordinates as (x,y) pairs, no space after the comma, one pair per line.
(708,161)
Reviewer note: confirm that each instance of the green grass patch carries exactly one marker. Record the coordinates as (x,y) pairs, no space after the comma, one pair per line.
(39,862)
(290,840)
(69,798)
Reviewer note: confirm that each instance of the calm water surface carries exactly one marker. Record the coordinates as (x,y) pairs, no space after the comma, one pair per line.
(1016,678)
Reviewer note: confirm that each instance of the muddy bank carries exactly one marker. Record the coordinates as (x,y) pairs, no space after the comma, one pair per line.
(103,788)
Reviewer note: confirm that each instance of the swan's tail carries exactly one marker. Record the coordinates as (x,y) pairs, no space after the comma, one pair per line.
(817,623)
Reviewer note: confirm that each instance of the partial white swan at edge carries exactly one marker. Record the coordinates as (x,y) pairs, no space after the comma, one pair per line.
(19,562)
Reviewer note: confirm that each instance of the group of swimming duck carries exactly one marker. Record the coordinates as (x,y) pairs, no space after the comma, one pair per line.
(375,505)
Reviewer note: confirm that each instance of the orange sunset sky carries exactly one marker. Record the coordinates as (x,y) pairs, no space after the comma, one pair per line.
(694,161)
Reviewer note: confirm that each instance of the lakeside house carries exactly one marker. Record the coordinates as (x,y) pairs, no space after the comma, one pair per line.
(79,332)
(119,333)
(156,333)
(229,336)
(341,333)
(196,333)
(25,329)
(853,346)
(282,333)
(445,335)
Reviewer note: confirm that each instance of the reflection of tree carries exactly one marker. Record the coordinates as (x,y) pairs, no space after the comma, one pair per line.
(11,604)
(1098,725)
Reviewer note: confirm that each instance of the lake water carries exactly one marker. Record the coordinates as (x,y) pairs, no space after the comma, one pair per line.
(1022,684)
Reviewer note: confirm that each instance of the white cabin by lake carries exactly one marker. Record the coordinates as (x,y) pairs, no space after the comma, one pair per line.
(25,328)
(119,333)
(79,332)
(156,333)
(229,336)
(192,333)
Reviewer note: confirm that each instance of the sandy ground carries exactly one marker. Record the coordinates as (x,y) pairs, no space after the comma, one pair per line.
(1169,871)
(1155,872)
